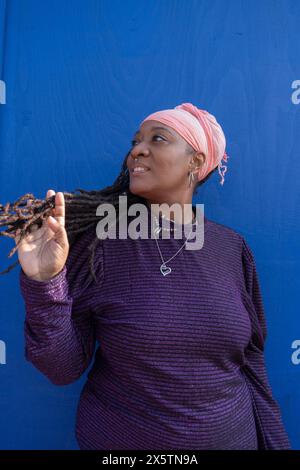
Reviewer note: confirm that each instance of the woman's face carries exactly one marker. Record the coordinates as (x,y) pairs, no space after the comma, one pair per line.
(163,152)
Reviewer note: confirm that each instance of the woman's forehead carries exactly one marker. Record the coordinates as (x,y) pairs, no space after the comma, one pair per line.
(150,126)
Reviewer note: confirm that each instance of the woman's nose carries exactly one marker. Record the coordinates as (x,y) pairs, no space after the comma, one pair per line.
(139,149)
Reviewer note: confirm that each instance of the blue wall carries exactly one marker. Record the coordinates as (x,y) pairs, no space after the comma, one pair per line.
(80,76)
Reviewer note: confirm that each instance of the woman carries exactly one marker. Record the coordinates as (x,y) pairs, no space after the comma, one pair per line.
(180,361)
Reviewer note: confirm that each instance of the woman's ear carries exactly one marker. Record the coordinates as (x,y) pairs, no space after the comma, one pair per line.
(197,160)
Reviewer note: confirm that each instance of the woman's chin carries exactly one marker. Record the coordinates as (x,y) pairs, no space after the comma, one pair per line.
(137,188)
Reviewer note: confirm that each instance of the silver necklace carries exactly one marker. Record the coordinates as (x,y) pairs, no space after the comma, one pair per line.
(158,229)
(164,269)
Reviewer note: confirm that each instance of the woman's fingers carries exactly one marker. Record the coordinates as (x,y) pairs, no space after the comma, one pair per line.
(50,193)
(59,211)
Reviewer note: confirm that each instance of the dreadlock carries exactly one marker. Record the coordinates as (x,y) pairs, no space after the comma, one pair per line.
(80,212)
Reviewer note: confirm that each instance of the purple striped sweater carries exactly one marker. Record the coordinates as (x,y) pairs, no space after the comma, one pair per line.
(179,360)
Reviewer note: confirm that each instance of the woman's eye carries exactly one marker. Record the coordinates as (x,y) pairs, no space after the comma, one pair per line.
(133,142)
(158,136)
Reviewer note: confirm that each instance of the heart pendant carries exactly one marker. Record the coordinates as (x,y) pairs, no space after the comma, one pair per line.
(165,269)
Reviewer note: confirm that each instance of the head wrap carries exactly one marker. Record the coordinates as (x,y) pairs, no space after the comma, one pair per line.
(201,130)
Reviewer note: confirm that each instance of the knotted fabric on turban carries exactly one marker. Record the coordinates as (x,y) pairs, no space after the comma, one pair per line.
(201,130)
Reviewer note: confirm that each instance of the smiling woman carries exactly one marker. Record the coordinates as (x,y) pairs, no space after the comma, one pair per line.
(167,137)
(180,356)
(158,166)
(163,167)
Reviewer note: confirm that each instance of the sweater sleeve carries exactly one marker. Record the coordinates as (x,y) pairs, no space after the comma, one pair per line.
(270,429)
(58,327)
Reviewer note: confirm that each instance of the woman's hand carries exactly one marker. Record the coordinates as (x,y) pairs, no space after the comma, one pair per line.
(43,252)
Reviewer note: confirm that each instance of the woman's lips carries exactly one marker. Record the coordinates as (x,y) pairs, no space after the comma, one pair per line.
(139,173)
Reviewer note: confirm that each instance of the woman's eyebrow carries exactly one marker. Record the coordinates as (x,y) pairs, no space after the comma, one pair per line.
(156,128)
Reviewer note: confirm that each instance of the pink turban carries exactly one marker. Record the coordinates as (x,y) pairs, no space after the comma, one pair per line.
(201,130)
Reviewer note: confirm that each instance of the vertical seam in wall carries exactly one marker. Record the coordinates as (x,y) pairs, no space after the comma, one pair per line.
(4,31)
